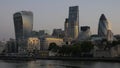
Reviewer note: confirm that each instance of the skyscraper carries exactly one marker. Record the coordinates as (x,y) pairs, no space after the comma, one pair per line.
(23,23)
(103,27)
(66,27)
(73,22)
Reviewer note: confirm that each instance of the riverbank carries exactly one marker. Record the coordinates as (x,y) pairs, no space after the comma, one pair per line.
(81,59)
(59,58)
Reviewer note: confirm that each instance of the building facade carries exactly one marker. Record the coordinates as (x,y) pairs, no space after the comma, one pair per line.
(11,46)
(33,44)
(40,33)
(73,22)
(58,33)
(46,41)
(23,24)
(84,34)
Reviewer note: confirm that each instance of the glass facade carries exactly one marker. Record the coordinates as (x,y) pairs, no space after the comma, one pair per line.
(103,26)
(23,23)
(73,22)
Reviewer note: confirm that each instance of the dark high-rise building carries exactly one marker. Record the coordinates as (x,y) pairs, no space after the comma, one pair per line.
(66,27)
(73,22)
(23,23)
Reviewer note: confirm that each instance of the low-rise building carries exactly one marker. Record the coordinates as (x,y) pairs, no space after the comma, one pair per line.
(58,33)
(46,41)
(33,44)
(110,52)
(11,46)
(2,46)
(85,33)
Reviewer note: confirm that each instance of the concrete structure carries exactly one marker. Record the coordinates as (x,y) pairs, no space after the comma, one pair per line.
(47,40)
(102,53)
(23,23)
(73,22)
(11,46)
(2,46)
(109,52)
(85,33)
(33,44)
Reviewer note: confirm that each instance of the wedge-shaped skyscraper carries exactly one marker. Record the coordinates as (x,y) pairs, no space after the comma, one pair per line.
(23,23)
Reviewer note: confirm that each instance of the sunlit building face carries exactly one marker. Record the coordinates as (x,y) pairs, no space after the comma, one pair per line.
(33,44)
(73,22)
(23,23)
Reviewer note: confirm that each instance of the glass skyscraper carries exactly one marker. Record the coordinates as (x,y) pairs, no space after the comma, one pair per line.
(23,23)
(73,22)
(104,28)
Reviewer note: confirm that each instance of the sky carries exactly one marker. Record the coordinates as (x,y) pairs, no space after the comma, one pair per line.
(50,14)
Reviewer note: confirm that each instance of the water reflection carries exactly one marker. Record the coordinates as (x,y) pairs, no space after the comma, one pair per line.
(57,64)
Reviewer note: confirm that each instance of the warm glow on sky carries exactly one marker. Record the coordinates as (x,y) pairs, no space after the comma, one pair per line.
(50,14)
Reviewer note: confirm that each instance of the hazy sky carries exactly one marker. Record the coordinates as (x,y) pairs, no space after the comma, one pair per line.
(50,14)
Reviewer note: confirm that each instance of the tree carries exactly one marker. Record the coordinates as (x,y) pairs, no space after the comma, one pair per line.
(53,47)
(86,46)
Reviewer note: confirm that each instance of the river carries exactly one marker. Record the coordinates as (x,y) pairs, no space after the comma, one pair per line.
(57,64)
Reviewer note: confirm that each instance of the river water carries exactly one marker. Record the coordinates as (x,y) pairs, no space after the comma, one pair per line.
(57,64)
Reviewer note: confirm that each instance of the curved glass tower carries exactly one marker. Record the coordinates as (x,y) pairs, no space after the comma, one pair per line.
(103,26)
(23,23)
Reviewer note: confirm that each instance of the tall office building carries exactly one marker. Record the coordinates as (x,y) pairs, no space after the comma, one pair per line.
(23,23)
(73,22)
(103,26)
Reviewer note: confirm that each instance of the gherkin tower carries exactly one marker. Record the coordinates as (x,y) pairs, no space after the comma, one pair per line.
(103,26)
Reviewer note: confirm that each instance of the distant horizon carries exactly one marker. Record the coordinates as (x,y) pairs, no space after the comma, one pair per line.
(51,14)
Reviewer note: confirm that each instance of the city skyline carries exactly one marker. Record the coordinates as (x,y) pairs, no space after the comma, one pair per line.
(51,14)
